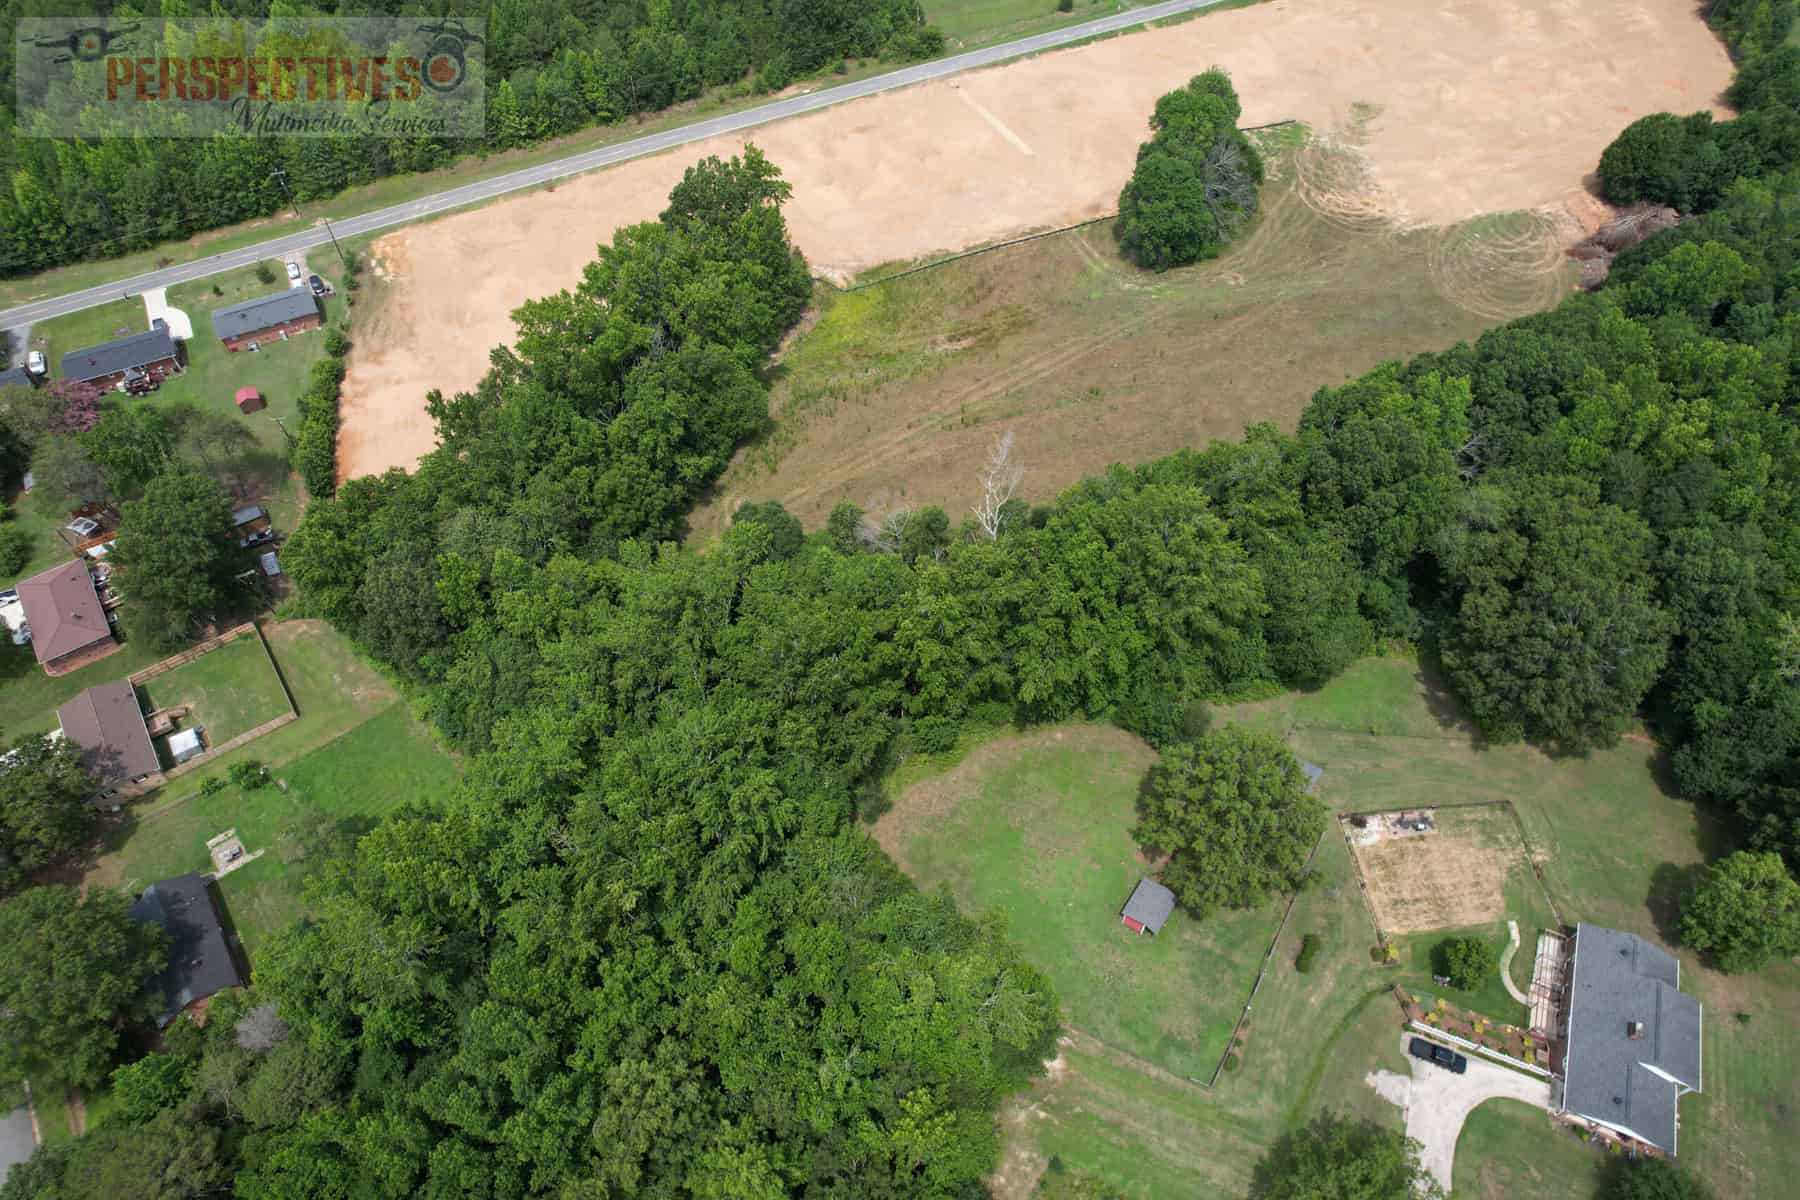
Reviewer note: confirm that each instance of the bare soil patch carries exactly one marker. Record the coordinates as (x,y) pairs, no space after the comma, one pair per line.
(1470,107)
(1449,877)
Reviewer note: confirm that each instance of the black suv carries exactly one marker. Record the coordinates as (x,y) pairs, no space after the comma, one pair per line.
(1443,1056)
(317,285)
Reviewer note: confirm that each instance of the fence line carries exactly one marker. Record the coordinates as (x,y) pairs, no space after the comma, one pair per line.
(191,653)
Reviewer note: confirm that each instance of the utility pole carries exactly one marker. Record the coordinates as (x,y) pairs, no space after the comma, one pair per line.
(281,175)
(284,430)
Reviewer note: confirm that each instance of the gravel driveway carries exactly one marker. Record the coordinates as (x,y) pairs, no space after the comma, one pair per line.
(1437,1101)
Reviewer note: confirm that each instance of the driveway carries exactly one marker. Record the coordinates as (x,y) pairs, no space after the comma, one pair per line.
(1437,1101)
(16,1142)
(156,304)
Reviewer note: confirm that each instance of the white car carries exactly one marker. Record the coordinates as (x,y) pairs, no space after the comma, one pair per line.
(293,274)
(34,362)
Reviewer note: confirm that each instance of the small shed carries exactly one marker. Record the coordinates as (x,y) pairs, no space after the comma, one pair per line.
(185,745)
(249,400)
(1149,906)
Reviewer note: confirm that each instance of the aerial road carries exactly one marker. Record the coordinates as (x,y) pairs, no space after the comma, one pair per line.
(576,164)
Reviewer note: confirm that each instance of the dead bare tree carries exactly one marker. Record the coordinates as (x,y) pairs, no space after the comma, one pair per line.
(1000,478)
(1231,195)
(884,531)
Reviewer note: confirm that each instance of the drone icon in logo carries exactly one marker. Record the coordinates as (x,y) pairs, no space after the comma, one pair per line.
(445,64)
(89,44)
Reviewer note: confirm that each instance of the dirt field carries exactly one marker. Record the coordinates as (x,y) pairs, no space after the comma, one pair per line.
(1477,107)
(1449,877)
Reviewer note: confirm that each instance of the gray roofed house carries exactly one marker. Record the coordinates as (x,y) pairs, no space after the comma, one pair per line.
(17,377)
(108,724)
(1149,906)
(247,317)
(1633,1037)
(200,961)
(112,358)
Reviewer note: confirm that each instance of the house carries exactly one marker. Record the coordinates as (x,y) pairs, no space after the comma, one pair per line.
(251,525)
(1631,1037)
(108,724)
(200,959)
(250,323)
(143,358)
(67,622)
(17,377)
(1149,906)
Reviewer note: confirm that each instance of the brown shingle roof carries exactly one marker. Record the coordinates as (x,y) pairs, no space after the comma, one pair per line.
(108,725)
(63,611)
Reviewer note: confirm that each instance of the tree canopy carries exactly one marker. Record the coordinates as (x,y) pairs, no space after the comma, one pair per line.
(71,967)
(176,553)
(1744,911)
(1196,179)
(44,809)
(1337,1158)
(1232,811)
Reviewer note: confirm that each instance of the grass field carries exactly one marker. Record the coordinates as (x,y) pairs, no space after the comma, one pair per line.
(229,690)
(1508,1150)
(1614,848)
(1040,829)
(29,698)
(894,393)
(355,752)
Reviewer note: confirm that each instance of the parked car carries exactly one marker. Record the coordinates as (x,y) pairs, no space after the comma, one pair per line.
(318,285)
(34,363)
(294,273)
(1442,1056)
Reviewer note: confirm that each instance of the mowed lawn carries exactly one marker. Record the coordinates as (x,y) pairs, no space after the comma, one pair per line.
(354,753)
(228,691)
(1039,827)
(1614,848)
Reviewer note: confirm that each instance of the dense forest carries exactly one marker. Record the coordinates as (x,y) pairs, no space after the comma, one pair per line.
(551,67)
(646,951)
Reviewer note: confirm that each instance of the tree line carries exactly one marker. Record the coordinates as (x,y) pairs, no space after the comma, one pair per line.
(549,67)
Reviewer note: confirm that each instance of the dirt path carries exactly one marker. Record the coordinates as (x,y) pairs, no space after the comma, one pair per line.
(1477,105)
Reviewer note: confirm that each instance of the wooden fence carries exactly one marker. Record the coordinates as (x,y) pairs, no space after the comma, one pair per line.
(192,652)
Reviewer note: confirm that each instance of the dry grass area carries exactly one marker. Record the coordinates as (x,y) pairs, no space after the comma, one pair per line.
(1449,877)
(1501,105)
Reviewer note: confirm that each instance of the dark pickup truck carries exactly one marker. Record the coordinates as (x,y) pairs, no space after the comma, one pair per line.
(1443,1056)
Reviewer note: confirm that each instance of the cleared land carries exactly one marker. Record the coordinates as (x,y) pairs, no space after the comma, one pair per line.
(1039,827)
(1452,875)
(1388,737)
(1484,107)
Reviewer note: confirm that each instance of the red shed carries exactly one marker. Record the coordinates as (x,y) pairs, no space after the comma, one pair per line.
(249,400)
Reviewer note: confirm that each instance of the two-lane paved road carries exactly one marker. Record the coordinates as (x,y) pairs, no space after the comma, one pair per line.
(575,164)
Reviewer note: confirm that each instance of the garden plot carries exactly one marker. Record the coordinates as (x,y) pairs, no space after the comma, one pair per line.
(1436,868)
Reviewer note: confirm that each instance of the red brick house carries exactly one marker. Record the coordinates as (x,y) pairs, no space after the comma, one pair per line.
(252,323)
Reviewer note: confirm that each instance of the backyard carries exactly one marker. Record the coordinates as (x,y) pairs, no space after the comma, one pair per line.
(227,691)
(1388,737)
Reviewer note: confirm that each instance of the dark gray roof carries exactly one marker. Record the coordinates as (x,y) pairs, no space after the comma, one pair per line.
(1620,980)
(200,961)
(140,349)
(16,377)
(1150,905)
(247,514)
(264,312)
(108,725)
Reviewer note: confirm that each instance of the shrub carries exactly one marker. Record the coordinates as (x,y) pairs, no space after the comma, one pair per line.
(248,774)
(1065,5)
(265,273)
(15,549)
(336,344)
(1232,1061)
(212,785)
(1309,951)
(1468,961)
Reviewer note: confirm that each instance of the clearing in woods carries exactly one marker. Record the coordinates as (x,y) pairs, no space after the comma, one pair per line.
(1486,105)
(1388,737)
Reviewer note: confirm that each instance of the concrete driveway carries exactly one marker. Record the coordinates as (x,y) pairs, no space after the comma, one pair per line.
(16,1140)
(156,304)
(1437,1101)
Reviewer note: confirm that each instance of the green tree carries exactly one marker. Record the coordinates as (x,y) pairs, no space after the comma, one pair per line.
(1468,961)
(1336,1158)
(142,1089)
(1231,809)
(1556,634)
(1651,1179)
(176,554)
(44,805)
(132,443)
(72,967)
(1196,179)
(16,548)
(167,1158)
(1744,912)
